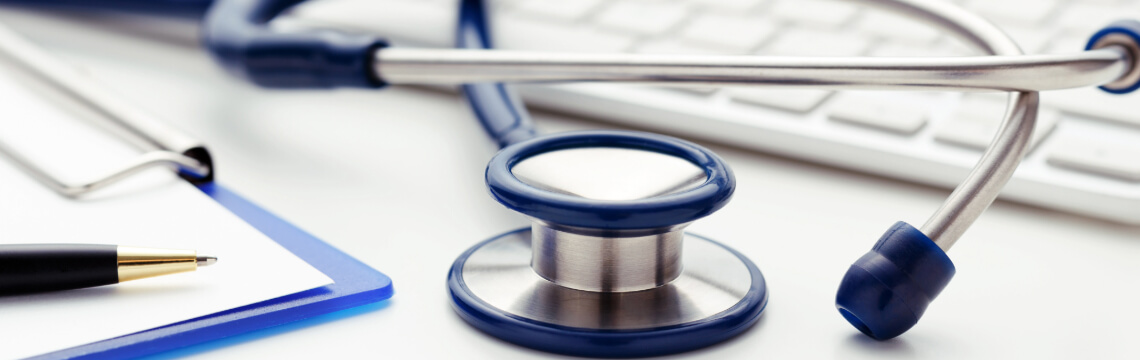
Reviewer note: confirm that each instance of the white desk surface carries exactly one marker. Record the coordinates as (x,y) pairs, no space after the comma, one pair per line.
(394,178)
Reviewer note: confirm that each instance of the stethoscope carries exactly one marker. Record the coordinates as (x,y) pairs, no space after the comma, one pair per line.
(606,268)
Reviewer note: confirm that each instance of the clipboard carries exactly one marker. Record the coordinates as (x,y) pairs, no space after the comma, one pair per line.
(355,283)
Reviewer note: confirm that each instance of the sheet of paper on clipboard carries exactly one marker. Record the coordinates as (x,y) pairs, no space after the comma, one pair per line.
(151,209)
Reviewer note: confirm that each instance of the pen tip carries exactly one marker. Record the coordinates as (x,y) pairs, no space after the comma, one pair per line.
(206,260)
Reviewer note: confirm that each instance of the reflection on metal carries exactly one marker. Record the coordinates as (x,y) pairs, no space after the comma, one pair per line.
(139,263)
(607,173)
(618,261)
(712,281)
(986,73)
(1125,41)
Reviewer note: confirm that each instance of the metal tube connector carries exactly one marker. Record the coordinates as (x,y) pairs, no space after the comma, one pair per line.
(610,261)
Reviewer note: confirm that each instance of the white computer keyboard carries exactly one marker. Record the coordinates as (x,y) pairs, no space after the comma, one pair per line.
(1086,150)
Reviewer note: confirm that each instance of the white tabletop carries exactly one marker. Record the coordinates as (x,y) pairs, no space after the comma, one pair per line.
(394,178)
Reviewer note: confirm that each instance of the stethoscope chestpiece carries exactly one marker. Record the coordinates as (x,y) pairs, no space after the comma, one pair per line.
(601,271)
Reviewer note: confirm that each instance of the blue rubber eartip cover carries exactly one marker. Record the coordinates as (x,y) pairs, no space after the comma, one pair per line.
(887,290)
(1129,28)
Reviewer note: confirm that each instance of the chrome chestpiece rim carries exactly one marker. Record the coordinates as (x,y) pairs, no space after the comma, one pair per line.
(606,268)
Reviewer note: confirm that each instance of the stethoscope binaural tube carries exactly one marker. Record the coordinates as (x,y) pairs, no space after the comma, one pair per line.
(976,73)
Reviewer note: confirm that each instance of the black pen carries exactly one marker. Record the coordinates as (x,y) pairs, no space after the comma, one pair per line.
(29,268)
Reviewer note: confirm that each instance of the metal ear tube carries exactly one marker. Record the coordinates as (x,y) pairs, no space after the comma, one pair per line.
(887,290)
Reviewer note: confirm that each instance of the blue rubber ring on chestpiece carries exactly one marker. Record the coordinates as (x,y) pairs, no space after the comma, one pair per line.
(607,343)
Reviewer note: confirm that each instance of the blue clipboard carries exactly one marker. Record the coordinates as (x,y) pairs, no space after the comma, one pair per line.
(355,284)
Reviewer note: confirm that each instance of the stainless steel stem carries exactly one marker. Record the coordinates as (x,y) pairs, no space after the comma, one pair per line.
(982,186)
(607,261)
(979,73)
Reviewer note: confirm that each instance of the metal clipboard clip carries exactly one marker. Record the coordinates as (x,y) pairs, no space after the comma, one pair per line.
(162,145)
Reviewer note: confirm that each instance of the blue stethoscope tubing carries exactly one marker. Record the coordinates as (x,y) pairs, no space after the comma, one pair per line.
(496,107)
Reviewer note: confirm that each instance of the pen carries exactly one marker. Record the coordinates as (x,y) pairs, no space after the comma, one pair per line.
(29,268)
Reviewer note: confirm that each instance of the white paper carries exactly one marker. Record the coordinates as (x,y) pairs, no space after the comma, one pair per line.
(153,209)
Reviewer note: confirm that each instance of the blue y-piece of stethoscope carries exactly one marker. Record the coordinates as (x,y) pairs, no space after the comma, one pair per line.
(601,271)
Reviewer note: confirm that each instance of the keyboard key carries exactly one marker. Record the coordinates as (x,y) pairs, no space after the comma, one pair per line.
(673,47)
(805,42)
(734,34)
(1025,12)
(730,5)
(568,10)
(1067,44)
(976,122)
(784,99)
(522,34)
(881,112)
(1031,41)
(897,28)
(953,45)
(1098,157)
(1081,18)
(646,18)
(1096,103)
(826,13)
(1109,2)
(909,49)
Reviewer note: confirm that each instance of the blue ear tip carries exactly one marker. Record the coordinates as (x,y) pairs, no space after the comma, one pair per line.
(872,307)
(886,291)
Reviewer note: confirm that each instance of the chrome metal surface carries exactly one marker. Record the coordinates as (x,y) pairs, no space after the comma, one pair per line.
(142,162)
(1133,50)
(981,73)
(997,164)
(604,173)
(164,145)
(620,261)
(206,260)
(713,280)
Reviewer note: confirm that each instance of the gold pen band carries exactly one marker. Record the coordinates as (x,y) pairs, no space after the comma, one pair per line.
(138,263)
